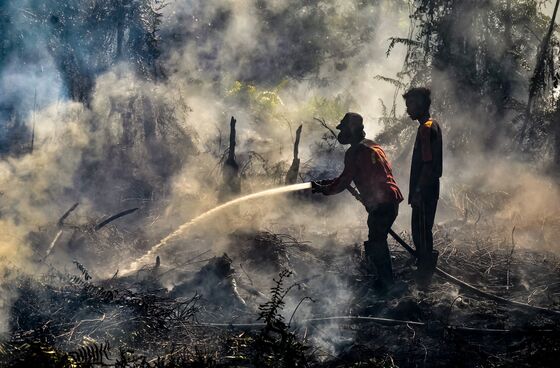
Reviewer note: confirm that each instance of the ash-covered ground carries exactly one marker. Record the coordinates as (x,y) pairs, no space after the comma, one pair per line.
(274,299)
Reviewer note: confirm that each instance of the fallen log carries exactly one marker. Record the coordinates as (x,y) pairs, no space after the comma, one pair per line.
(60,222)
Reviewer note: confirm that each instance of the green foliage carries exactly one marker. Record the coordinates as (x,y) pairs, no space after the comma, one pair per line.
(269,311)
(329,109)
(276,345)
(263,102)
(478,57)
(396,134)
(395,82)
(399,40)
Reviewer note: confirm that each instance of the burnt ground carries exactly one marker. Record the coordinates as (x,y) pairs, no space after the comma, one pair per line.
(274,300)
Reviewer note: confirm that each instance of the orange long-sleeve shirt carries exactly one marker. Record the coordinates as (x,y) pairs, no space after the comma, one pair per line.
(367,166)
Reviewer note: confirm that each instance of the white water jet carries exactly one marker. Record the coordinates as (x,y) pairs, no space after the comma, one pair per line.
(181,229)
(53,243)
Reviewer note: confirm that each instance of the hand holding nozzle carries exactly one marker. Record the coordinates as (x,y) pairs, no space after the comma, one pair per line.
(320,185)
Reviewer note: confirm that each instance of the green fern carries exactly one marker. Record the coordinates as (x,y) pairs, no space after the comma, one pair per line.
(277,346)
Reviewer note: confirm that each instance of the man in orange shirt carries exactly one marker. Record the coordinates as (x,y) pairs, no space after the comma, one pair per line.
(425,171)
(366,164)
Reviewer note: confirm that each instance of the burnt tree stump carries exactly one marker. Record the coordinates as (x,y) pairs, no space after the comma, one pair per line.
(230,170)
(292,174)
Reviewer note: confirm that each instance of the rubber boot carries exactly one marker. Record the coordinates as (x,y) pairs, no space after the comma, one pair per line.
(368,258)
(426,266)
(379,260)
(384,275)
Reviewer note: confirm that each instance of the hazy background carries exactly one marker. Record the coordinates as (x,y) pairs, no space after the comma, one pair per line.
(128,106)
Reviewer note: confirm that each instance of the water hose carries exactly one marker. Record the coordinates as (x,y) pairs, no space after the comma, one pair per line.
(434,327)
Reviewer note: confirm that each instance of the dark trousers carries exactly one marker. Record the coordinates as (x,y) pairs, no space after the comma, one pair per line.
(380,220)
(423,216)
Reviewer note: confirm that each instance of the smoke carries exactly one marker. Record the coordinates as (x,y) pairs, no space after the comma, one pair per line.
(34,185)
(159,144)
(29,79)
(233,62)
(507,194)
(295,58)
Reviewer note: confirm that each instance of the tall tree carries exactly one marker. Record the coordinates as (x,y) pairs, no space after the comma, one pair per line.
(476,55)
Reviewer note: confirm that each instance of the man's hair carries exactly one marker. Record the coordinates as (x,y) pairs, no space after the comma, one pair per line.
(421,93)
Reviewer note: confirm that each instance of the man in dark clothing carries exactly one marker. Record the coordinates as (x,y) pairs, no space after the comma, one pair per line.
(366,164)
(425,171)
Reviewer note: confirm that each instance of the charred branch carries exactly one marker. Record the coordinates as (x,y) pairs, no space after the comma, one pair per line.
(326,126)
(115,217)
(60,222)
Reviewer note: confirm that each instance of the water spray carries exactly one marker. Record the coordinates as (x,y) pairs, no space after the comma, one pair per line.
(53,243)
(181,229)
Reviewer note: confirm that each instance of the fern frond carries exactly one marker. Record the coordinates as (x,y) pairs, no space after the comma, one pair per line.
(93,353)
(83,270)
(405,41)
(395,82)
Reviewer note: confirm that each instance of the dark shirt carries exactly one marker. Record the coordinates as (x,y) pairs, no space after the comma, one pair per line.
(427,153)
(366,164)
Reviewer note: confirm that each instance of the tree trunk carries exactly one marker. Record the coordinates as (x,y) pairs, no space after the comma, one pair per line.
(538,74)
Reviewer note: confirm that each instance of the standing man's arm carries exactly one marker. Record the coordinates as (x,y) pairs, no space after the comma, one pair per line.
(437,149)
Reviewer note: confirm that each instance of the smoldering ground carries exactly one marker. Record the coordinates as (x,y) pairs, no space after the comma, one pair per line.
(158,145)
